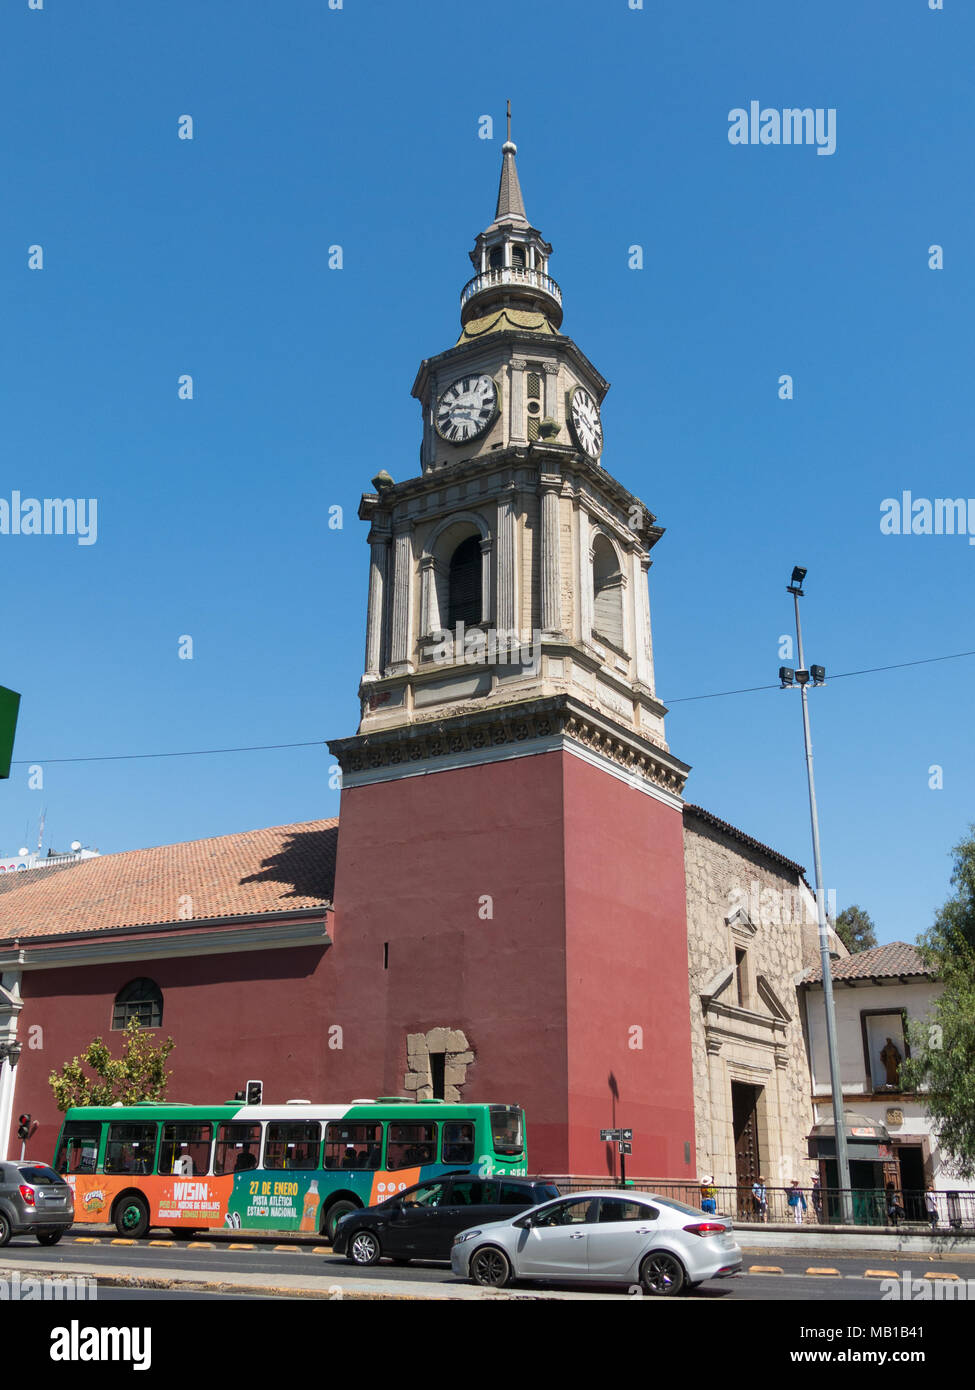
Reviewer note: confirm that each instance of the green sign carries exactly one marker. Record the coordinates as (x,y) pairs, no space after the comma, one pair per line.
(9,705)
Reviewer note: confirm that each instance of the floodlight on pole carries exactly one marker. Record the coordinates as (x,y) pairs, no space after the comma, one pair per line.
(802,677)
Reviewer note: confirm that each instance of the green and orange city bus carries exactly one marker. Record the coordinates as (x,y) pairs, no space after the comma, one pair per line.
(293,1167)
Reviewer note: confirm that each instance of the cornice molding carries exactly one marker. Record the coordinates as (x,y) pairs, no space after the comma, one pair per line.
(508,727)
(101,948)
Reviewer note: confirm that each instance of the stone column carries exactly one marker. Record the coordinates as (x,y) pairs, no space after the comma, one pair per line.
(487,592)
(399,652)
(640,613)
(643,598)
(505,607)
(378,568)
(517,428)
(552,392)
(429,608)
(585,578)
(551,589)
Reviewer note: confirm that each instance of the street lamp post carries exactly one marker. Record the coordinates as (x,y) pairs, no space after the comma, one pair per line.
(802,678)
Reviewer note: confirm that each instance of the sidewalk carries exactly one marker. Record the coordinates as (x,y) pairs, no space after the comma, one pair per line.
(913,1239)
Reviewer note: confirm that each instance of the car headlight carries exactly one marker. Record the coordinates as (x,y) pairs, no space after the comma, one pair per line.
(465,1235)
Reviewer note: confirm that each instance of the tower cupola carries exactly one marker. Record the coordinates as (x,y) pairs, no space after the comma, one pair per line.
(510,257)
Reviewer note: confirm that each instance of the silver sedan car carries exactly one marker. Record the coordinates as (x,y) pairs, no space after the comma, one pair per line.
(634,1238)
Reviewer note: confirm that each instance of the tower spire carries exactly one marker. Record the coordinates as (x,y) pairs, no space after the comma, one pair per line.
(511,205)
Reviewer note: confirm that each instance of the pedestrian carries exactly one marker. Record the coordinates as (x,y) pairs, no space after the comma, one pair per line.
(931,1206)
(797,1201)
(709,1194)
(760,1199)
(817,1199)
(894,1208)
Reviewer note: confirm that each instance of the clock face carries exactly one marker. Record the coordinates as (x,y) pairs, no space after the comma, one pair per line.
(586,424)
(466,409)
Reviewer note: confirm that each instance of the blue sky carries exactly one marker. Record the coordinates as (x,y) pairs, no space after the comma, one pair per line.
(359,127)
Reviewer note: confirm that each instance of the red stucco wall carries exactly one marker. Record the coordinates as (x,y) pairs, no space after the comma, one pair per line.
(626,935)
(416,857)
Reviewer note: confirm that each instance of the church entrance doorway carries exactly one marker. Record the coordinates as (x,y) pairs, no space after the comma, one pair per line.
(748,1165)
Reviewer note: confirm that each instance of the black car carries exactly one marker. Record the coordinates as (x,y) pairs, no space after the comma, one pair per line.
(420,1222)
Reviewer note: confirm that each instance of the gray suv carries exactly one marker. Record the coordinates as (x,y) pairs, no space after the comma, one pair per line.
(34,1200)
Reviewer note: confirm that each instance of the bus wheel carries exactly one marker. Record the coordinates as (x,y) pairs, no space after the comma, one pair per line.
(334,1215)
(490,1267)
(364,1249)
(132,1216)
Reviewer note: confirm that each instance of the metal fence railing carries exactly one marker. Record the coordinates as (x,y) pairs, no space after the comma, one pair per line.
(871,1206)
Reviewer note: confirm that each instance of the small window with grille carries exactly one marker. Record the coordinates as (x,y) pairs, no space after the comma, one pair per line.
(140,999)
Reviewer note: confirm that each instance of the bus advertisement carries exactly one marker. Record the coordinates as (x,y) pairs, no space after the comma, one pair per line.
(293,1167)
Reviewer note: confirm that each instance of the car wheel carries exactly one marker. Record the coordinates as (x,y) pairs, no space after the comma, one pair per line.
(49,1237)
(662,1274)
(333,1216)
(5,1231)
(132,1216)
(490,1267)
(364,1248)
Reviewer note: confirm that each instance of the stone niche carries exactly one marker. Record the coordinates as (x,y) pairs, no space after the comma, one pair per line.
(457,1053)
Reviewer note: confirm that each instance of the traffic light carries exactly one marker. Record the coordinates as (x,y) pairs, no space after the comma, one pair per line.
(23,1131)
(255,1092)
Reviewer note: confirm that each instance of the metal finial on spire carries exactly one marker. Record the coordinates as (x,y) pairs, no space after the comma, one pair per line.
(509,120)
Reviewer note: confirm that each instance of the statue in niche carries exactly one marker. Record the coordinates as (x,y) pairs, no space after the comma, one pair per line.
(891,1058)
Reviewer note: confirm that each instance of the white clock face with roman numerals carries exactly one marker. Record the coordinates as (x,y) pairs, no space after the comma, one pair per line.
(586,424)
(466,409)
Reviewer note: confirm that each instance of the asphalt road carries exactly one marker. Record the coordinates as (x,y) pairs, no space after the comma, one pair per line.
(154,1257)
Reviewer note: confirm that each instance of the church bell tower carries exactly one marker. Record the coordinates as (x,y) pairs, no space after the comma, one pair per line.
(511,837)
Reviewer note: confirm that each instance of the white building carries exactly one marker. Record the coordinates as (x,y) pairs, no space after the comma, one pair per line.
(875,993)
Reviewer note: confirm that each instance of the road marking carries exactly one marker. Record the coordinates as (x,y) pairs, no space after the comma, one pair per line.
(322,1250)
(240,1247)
(86,1240)
(936,1274)
(162,1242)
(200,1245)
(289,1247)
(823,1271)
(880,1274)
(123,1240)
(764,1269)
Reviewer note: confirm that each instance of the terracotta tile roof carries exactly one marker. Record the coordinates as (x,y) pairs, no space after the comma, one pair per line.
(699,813)
(19,877)
(257,871)
(895,959)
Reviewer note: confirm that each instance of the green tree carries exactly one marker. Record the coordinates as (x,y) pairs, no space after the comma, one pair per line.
(856,930)
(139,1074)
(943,1045)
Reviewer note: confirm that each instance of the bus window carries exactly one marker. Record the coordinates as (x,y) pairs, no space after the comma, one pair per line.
(410,1146)
(458,1143)
(506,1130)
(238,1147)
(185,1149)
(131,1148)
(78,1149)
(292,1146)
(353,1146)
